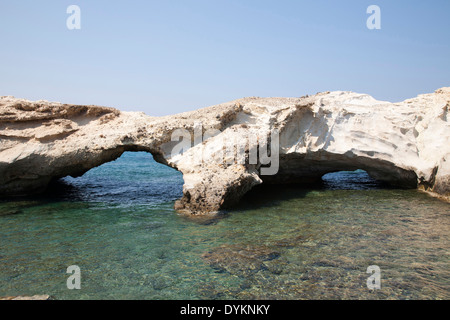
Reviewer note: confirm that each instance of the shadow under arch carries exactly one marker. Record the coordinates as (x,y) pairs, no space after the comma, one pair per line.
(271,195)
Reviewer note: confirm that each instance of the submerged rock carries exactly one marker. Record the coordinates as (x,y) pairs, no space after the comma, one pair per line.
(405,143)
(240,260)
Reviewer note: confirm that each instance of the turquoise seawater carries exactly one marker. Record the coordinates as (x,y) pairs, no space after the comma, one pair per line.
(118,225)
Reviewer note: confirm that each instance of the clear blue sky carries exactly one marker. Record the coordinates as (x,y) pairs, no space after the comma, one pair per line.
(164,57)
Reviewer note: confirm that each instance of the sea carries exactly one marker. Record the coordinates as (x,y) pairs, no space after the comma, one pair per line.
(117,226)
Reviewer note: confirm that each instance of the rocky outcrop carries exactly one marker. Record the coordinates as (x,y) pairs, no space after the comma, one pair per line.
(32,298)
(225,150)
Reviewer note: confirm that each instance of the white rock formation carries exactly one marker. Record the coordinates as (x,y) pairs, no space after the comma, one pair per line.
(406,143)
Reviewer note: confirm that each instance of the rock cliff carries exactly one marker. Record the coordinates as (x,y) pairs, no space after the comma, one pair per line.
(225,150)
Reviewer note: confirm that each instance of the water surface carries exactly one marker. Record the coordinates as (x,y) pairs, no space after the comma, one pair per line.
(118,225)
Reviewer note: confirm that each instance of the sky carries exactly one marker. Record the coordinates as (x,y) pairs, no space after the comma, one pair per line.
(166,57)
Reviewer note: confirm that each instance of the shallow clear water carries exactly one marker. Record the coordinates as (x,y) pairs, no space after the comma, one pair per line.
(118,225)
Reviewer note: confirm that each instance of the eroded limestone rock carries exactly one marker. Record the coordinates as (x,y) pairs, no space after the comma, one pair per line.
(405,143)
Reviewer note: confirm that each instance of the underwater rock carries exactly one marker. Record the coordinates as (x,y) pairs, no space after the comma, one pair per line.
(240,260)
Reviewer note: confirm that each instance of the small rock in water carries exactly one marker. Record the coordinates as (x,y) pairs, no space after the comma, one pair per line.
(36,297)
(240,260)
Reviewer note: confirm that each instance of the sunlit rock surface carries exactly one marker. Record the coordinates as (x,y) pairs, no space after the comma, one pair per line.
(32,298)
(405,143)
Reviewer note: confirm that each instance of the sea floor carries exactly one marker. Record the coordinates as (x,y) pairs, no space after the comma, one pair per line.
(117,224)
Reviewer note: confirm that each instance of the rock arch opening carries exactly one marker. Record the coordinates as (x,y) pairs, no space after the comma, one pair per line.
(134,177)
(310,168)
(351,180)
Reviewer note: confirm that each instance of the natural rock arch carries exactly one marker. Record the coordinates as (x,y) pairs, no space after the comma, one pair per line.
(311,168)
(403,143)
